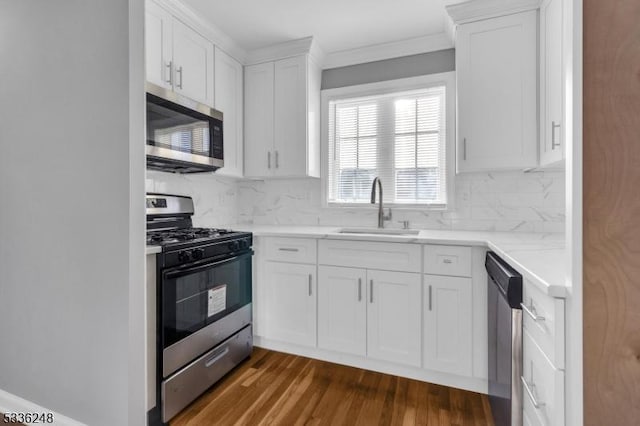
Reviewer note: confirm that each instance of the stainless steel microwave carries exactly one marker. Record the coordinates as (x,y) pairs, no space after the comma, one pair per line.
(183,136)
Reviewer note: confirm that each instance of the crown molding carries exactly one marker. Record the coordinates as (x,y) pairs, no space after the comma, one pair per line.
(302,46)
(476,10)
(379,52)
(209,30)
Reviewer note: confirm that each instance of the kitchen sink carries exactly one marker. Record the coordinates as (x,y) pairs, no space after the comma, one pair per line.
(378,231)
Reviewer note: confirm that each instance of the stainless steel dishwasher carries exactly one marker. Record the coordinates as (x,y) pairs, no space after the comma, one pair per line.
(505,341)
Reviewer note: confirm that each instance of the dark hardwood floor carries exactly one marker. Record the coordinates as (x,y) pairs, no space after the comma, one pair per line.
(281,389)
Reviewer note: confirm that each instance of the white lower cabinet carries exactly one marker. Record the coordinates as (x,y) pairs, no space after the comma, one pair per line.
(290,312)
(342,309)
(448,326)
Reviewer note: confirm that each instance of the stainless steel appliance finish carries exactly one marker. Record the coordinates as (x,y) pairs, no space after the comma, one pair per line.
(174,158)
(178,354)
(187,384)
(505,341)
(203,303)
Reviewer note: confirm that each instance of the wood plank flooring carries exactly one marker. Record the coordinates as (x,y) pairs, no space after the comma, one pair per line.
(274,388)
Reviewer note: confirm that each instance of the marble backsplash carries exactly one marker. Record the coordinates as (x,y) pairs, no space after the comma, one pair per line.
(215,197)
(505,201)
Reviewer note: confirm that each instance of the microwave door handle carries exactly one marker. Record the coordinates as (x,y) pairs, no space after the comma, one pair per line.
(181,272)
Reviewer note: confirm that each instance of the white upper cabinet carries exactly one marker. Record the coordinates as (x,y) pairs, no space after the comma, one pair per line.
(229,99)
(496,67)
(258,119)
(158,45)
(177,57)
(282,102)
(551,86)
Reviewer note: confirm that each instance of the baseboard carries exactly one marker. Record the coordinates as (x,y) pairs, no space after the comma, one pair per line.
(10,403)
(445,379)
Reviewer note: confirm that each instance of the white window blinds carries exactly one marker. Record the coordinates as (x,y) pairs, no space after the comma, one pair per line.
(399,137)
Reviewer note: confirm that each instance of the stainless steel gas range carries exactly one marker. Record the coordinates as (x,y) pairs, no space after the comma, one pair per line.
(204,284)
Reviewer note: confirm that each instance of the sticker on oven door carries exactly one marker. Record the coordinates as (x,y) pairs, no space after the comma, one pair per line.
(217,300)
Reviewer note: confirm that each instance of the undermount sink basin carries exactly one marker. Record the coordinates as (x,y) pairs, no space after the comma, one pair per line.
(378,231)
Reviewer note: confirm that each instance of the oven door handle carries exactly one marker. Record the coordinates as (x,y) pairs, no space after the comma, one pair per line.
(181,272)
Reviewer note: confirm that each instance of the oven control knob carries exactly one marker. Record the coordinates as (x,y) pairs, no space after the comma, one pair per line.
(198,254)
(184,256)
(234,245)
(244,244)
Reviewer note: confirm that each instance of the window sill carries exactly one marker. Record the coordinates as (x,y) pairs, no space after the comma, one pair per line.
(367,206)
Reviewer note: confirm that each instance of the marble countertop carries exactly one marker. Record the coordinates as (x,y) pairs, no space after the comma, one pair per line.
(539,257)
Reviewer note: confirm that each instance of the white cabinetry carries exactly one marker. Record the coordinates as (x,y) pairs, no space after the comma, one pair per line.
(342,309)
(543,357)
(393,321)
(177,57)
(496,67)
(229,99)
(290,312)
(448,344)
(282,101)
(551,86)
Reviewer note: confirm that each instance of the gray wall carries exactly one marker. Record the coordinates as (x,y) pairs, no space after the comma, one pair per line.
(390,69)
(65,207)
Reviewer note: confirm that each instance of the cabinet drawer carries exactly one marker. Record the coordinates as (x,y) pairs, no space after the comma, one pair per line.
(294,250)
(370,255)
(447,260)
(543,318)
(542,385)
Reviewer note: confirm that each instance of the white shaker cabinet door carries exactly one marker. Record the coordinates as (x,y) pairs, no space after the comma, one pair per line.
(290,313)
(394,317)
(342,309)
(193,64)
(259,159)
(448,324)
(496,66)
(158,45)
(229,99)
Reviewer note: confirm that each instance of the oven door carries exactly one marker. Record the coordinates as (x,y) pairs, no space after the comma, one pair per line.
(202,305)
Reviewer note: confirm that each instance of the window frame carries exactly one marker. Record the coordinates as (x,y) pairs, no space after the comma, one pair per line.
(446,79)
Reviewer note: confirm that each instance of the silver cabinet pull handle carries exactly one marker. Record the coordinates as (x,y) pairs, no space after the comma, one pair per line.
(532,397)
(217,357)
(179,72)
(430,297)
(554,126)
(170,66)
(269,159)
(370,291)
(288,249)
(447,261)
(359,289)
(310,285)
(277,162)
(531,312)
(464,149)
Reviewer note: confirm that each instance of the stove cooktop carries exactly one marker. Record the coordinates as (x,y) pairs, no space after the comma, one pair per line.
(173,236)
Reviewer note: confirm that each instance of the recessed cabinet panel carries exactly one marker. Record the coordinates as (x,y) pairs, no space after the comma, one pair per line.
(497,93)
(158,45)
(374,255)
(448,324)
(259,160)
(229,98)
(290,313)
(193,64)
(393,325)
(342,309)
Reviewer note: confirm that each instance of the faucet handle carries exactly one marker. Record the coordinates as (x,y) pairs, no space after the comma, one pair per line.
(405,224)
(387,217)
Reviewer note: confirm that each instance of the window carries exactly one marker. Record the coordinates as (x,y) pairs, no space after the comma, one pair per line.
(399,136)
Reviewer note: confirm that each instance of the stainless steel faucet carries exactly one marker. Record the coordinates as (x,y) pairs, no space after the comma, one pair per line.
(381,215)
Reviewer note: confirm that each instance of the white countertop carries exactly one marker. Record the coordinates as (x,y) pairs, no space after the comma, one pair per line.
(540,258)
(153,249)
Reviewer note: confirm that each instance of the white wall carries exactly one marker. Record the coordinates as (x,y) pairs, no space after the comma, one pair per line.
(506,201)
(65,210)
